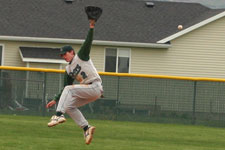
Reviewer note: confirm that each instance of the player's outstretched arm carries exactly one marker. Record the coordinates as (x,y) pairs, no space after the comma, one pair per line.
(93,14)
(85,49)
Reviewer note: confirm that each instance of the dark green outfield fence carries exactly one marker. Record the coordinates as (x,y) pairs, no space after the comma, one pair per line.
(129,97)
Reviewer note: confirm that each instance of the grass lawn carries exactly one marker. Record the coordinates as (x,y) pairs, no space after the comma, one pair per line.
(32,133)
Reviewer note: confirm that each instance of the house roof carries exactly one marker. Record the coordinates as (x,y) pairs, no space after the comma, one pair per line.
(121,21)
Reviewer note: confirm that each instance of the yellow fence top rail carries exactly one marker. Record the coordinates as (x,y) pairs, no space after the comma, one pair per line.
(163,77)
(31,69)
(117,74)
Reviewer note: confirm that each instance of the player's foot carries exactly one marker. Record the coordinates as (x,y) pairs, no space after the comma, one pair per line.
(56,120)
(88,135)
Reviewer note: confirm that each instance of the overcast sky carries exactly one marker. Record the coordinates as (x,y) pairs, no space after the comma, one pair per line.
(209,3)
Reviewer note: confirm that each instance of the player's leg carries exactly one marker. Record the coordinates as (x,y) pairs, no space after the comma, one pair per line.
(64,99)
(74,96)
(83,94)
(79,119)
(78,95)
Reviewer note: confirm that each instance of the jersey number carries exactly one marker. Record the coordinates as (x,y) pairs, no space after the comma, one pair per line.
(76,71)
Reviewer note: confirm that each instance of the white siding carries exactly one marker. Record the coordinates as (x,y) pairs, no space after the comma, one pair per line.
(200,53)
(97,56)
(12,56)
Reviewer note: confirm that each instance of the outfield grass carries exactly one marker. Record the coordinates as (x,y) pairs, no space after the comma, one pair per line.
(32,133)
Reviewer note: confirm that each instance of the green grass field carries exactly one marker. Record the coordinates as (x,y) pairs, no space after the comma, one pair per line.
(32,133)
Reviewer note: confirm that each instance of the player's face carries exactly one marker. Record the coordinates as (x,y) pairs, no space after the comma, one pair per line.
(68,56)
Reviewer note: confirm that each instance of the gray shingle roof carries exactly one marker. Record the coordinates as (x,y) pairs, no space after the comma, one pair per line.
(122,20)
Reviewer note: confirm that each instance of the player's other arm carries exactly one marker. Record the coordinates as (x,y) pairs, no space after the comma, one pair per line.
(84,52)
(67,81)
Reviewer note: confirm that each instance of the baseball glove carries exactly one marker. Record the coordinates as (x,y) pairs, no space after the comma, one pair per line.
(93,12)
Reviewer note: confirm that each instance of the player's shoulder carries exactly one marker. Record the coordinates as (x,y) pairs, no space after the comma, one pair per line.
(80,59)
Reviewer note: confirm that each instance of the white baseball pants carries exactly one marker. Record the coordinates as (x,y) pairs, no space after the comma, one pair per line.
(77,95)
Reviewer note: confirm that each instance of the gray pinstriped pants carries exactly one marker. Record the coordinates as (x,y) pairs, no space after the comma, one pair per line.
(77,95)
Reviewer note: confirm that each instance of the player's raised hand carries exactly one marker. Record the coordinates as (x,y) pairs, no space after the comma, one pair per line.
(92,23)
(51,103)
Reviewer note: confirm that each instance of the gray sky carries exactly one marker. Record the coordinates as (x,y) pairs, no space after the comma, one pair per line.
(209,3)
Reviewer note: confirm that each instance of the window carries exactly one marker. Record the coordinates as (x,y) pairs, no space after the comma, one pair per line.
(117,60)
(0,55)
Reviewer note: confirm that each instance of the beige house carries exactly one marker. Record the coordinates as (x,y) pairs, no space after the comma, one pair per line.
(151,45)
